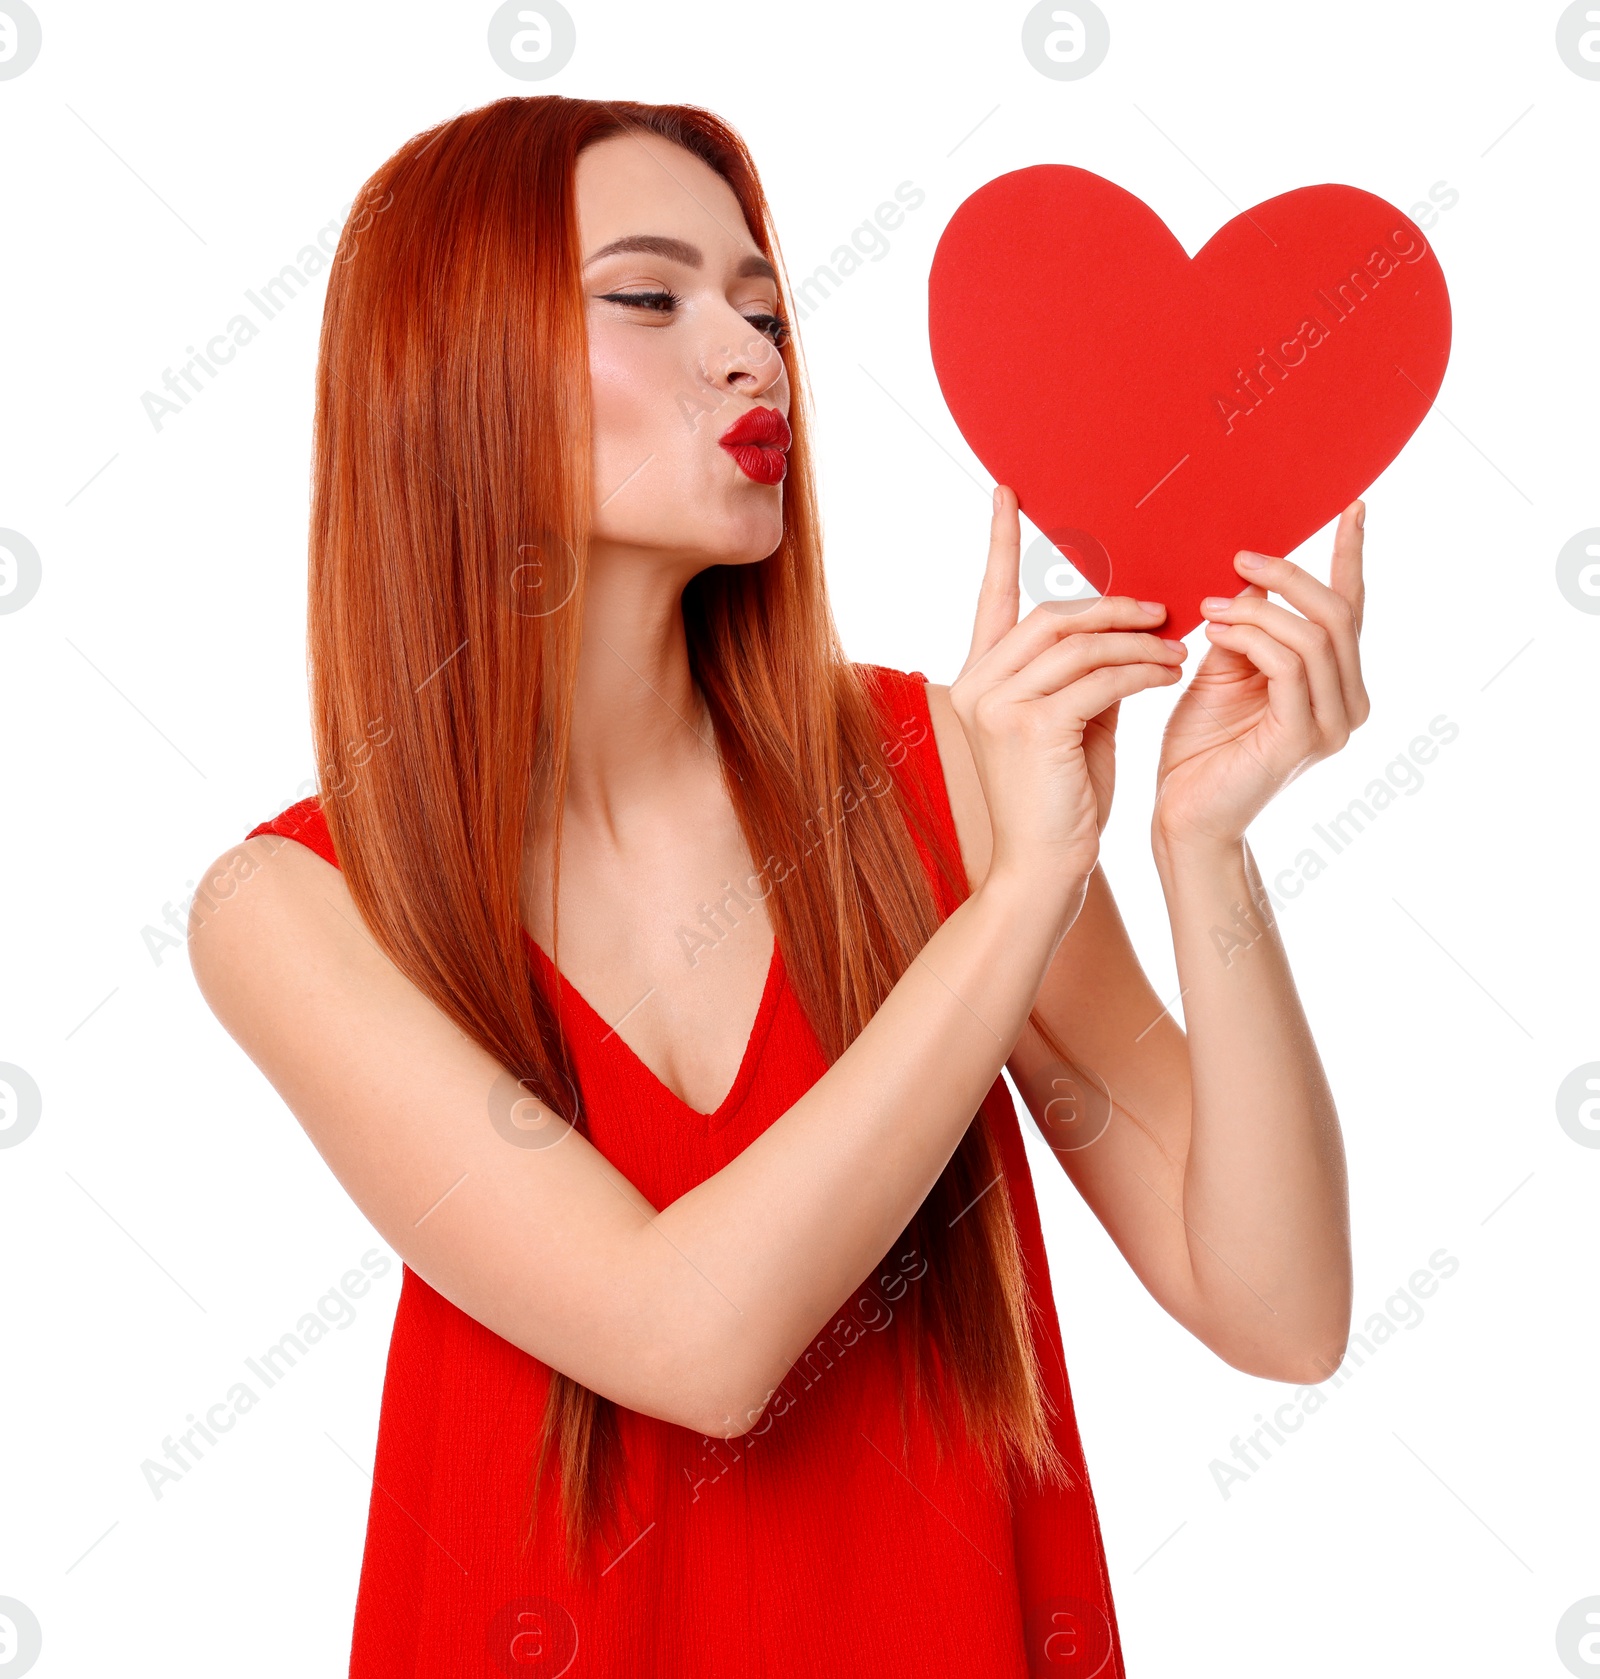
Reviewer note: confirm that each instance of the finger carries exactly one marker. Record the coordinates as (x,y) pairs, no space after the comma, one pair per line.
(999,594)
(1288,690)
(1081,702)
(1107,719)
(1068,661)
(1051,622)
(1348,574)
(1313,644)
(1337,612)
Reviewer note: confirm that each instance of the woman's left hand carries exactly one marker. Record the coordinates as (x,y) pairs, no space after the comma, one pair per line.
(1277,691)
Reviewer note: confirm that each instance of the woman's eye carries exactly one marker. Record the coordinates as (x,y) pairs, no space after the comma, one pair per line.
(774,326)
(662,301)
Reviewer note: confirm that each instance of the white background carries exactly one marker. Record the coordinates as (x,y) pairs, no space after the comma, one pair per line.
(168,1218)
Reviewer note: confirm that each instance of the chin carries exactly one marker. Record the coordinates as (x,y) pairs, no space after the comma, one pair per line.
(750,538)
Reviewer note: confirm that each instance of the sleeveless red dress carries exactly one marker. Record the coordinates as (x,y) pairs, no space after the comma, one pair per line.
(808,1546)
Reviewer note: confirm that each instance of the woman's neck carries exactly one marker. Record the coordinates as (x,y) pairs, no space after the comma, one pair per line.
(640,728)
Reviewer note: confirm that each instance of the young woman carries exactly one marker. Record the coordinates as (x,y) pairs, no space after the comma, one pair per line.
(726,1343)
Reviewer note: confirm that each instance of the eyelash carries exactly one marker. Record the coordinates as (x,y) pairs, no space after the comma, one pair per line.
(665,301)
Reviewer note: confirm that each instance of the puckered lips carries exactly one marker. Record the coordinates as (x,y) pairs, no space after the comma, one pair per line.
(757,441)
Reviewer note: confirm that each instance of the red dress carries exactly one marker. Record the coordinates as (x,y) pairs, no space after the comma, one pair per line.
(801,1548)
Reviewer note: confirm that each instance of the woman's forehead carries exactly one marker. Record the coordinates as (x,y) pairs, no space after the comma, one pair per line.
(630,185)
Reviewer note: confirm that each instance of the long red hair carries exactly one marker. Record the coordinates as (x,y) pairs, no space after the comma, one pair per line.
(450,520)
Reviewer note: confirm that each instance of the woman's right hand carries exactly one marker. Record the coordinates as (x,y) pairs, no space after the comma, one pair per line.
(1038,702)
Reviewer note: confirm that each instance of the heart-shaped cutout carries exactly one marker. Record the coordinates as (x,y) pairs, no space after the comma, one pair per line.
(1156,413)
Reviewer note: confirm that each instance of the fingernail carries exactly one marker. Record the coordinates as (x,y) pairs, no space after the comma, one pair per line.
(1251,562)
(1361,518)
(1152,606)
(997,498)
(1177,644)
(1215,603)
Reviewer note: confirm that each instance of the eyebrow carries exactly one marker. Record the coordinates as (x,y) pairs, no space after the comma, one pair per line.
(680,250)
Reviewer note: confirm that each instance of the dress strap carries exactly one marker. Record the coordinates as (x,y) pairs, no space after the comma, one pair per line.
(304,822)
(911,748)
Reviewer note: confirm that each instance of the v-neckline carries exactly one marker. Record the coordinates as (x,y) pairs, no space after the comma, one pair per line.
(737,1091)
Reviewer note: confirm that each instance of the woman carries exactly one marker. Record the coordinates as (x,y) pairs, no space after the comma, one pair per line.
(571,650)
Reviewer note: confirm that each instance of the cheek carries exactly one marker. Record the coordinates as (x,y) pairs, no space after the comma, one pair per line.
(637,386)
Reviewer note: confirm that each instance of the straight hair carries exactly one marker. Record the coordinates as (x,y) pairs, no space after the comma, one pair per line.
(450,525)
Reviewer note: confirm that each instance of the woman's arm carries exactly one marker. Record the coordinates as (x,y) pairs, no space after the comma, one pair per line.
(692,1313)
(1226,1191)
(1212,1245)
(1265,1193)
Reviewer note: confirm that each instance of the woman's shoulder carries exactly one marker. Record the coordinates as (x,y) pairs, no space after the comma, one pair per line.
(260,910)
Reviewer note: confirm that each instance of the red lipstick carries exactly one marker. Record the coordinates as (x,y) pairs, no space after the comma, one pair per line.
(757,440)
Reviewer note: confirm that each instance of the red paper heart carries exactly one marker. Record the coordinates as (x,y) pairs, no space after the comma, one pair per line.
(1156,413)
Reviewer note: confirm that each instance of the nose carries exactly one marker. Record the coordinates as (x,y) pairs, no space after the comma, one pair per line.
(744,361)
